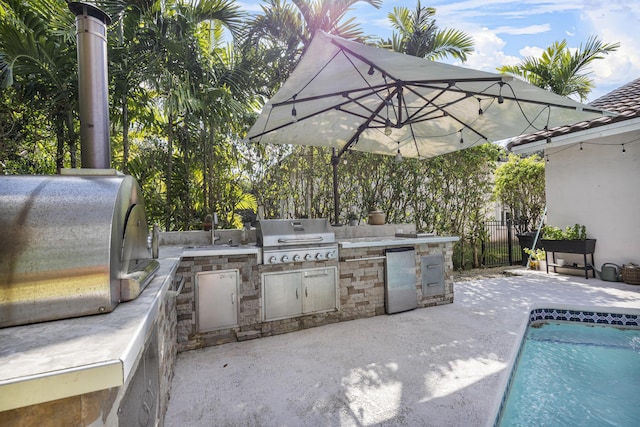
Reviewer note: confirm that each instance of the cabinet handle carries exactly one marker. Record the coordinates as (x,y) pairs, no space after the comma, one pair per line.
(296,293)
(318,274)
(306,293)
(233,298)
(371,258)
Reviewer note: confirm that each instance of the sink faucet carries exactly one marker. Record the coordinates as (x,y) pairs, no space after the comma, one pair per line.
(214,222)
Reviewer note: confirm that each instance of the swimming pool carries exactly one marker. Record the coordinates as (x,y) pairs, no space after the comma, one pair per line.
(575,367)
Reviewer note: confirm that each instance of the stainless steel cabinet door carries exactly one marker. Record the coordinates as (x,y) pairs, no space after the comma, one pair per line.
(432,268)
(282,294)
(319,288)
(216,300)
(400,280)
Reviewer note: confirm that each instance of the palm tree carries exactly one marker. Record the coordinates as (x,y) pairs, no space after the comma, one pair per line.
(418,35)
(279,36)
(328,16)
(38,58)
(560,70)
(175,35)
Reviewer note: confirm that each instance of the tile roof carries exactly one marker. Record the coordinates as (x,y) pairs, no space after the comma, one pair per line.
(624,101)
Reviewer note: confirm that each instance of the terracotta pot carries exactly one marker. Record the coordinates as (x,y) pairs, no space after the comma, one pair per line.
(376,218)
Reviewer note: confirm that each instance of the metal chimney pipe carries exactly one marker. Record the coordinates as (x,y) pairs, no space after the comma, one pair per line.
(91,37)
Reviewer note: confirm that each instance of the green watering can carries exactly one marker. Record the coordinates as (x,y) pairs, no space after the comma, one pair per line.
(611,272)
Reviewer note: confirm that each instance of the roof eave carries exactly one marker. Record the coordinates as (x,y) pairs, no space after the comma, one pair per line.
(578,136)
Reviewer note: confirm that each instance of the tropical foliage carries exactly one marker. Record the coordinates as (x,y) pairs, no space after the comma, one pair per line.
(416,33)
(447,194)
(187,79)
(562,70)
(520,185)
(278,36)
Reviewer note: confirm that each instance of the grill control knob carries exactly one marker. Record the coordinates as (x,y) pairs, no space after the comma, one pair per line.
(272,260)
(285,258)
(330,255)
(296,258)
(318,255)
(307,257)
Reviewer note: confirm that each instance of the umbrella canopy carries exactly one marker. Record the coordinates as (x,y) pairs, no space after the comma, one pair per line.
(350,96)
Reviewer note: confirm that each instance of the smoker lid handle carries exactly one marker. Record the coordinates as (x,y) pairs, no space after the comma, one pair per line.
(304,240)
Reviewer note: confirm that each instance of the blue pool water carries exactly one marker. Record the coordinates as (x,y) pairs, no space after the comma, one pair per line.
(576,374)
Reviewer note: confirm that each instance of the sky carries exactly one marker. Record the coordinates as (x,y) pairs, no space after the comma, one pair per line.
(505,31)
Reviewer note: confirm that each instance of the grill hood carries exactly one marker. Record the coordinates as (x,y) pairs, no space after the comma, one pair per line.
(294,232)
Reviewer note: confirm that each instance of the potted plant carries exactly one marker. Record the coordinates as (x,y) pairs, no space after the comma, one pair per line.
(352,219)
(376,216)
(536,258)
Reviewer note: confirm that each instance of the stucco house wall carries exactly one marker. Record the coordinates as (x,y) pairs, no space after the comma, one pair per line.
(598,186)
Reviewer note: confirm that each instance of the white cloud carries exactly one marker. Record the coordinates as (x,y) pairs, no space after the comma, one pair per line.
(531,51)
(529,29)
(611,21)
(489,52)
(615,21)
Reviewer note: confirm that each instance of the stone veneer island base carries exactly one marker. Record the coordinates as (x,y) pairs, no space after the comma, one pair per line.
(360,285)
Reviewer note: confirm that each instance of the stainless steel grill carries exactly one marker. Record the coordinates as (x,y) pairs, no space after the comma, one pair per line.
(286,241)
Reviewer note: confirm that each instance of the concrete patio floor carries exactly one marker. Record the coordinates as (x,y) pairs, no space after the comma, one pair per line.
(436,366)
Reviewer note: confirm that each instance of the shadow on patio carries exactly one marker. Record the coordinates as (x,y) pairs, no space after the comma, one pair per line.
(443,365)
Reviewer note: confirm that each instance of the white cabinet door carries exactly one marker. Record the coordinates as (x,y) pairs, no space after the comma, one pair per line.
(319,289)
(282,294)
(216,300)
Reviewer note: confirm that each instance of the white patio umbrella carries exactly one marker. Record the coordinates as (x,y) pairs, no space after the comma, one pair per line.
(350,96)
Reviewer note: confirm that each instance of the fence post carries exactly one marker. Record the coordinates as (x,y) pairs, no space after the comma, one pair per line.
(483,248)
(509,240)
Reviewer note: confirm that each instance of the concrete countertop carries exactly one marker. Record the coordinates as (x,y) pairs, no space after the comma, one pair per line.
(347,242)
(53,360)
(365,242)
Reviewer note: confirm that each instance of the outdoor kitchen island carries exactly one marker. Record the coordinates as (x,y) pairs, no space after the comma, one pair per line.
(249,293)
(109,369)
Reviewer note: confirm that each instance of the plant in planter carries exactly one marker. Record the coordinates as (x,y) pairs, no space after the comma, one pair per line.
(577,232)
(352,219)
(573,240)
(570,240)
(535,257)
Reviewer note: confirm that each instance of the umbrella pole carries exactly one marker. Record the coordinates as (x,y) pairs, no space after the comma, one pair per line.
(336,203)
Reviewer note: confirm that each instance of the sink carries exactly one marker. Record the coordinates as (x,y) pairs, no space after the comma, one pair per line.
(218,247)
(415,235)
(207,246)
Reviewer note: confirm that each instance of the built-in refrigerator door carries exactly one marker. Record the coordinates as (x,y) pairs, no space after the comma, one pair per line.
(400,280)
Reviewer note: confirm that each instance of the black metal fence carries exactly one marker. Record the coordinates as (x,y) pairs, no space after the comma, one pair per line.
(501,246)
